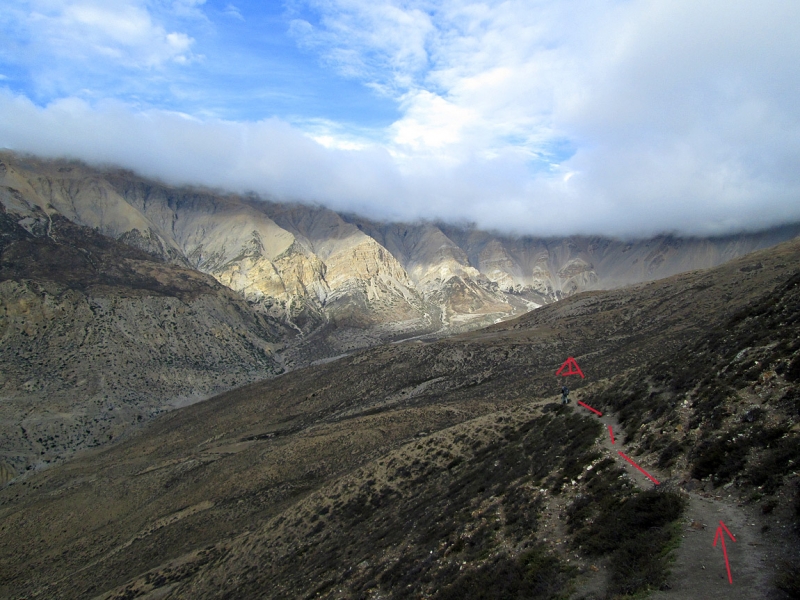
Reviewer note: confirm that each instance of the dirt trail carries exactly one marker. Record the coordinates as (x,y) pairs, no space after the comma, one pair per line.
(699,568)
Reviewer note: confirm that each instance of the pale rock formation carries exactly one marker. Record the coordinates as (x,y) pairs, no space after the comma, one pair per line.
(121,297)
(311,266)
(367,284)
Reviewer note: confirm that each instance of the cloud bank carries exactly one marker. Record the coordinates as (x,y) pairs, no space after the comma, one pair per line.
(617,118)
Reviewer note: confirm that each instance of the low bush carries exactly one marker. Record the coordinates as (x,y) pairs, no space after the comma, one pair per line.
(636,530)
(535,574)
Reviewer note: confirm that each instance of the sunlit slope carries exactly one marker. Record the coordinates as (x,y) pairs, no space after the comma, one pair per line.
(314,267)
(362,475)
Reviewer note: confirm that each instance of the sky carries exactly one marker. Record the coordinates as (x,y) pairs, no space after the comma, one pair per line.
(545,117)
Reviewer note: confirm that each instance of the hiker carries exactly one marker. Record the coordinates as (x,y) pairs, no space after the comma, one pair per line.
(564,394)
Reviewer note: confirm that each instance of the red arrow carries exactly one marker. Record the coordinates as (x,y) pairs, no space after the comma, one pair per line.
(721,536)
(611,433)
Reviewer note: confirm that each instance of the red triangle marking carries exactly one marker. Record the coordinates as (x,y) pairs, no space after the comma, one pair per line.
(572,368)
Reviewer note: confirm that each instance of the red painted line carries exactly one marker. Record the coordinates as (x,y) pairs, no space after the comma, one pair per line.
(727,563)
(594,410)
(611,433)
(721,536)
(646,474)
(727,531)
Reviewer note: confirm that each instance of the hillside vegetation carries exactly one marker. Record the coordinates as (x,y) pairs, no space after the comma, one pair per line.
(447,470)
(122,297)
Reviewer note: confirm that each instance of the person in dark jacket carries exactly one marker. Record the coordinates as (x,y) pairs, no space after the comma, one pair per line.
(564,394)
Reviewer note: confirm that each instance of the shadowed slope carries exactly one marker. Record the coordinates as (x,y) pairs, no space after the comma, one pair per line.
(96,336)
(264,490)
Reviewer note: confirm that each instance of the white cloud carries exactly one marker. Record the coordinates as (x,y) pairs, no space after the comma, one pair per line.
(233,11)
(124,32)
(615,117)
(619,193)
(430,122)
(189,8)
(332,135)
(270,156)
(380,41)
(472,79)
(679,113)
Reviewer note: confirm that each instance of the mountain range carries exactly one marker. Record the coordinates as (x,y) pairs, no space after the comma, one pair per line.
(310,265)
(450,469)
(123,297)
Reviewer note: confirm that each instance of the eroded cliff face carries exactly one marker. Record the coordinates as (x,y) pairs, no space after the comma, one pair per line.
(366,284)
(237,244)
(457,294)
(120,296)
(215,234)
(97,337)
(313,267)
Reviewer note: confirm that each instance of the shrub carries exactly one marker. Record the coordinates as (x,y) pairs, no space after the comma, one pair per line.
(637,531)
(535,574)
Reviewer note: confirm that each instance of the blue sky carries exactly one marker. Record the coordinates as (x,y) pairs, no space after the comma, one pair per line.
(621,117)
(231,61)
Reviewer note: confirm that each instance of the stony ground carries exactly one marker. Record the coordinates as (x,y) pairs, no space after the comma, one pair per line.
(97,337)
(445,470)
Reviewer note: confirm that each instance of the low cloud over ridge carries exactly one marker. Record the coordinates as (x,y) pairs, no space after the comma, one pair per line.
(614,118)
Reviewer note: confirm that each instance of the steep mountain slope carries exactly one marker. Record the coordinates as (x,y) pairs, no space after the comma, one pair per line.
(459,293)
(352,281)
(440,469)
(367,284)
(216,234)
(223,237)
(559,267)
(315,285)
(96,336)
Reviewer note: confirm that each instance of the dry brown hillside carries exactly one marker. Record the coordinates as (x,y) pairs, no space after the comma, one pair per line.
(98,337)
(446,470)
(122,297)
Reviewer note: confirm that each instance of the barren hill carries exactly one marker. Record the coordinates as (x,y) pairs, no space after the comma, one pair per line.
(446,470)
(122,297)
(314,268)
(98,337)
